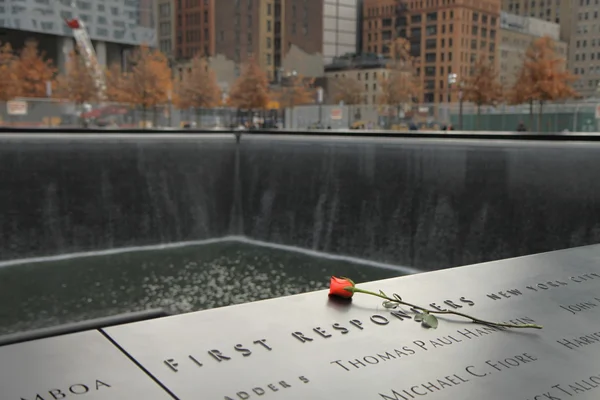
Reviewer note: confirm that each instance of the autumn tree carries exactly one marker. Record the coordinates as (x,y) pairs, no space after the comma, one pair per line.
(349,91)
(9,83)
(543,77)
(33,71)
(117,85)
(149,82)
(522,92)
(251,90)
(77,83)
(481,87)
(400,84)
(296,90)
(199,88)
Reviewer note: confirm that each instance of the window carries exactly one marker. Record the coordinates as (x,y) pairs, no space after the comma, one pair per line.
(431,30)
(430,57)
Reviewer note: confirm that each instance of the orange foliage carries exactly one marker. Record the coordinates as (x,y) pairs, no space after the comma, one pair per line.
(348,90)
(251,89)
(400,85)
(199,88)
(149,82)
(296,91)
(117,86)
(9,83)
(543,77)
(549,79)
(77,84)
(482,87)
(33,71)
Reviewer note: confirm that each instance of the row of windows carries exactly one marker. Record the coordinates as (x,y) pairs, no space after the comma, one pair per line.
(588,15)
(192,51)
(582,56)
(591,70)
(588,2)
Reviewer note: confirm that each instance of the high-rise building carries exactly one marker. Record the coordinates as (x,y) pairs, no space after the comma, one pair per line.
(549,10)
(165,24)
(194,27)
(446,37)
(281,34)
(339,27)
(584,46)
(379,25)
(114,26)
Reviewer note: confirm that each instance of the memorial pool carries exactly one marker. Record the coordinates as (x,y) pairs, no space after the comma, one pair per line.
(177,279)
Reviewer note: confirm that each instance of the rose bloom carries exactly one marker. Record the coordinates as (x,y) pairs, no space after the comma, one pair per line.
(337,287)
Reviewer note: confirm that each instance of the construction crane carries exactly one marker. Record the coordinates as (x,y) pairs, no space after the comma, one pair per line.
(88,55)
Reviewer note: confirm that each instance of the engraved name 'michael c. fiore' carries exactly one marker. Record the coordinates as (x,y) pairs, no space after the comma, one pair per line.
(69,391)
(451,380)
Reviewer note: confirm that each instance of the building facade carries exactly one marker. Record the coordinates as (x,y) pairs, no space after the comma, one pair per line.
(340,18)
(379,26)
(446,38)
(550,10)
(165,26)
(282,35)
(517,33)
(368,71)
(584,47)
(113,25)
(579,22)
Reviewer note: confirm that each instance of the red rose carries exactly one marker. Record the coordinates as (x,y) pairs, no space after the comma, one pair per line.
(339,287)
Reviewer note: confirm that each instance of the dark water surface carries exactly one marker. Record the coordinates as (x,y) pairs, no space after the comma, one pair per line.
(178,280)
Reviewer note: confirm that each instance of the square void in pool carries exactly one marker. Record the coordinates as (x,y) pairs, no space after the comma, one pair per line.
(178,279)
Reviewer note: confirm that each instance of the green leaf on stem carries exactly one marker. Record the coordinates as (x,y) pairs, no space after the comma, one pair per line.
(389,304)
(419,317)
(381,292)
(430,321)
(397,297)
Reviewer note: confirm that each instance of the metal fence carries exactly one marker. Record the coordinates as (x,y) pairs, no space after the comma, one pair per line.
(557,117)
(56,113)
(571,116)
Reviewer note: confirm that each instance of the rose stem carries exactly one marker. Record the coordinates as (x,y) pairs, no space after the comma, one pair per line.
(474,319)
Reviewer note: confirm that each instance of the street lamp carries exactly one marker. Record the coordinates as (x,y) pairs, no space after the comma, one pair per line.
(461,96)
(452,79)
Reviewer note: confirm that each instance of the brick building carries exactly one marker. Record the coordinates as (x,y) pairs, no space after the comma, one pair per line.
(446,36)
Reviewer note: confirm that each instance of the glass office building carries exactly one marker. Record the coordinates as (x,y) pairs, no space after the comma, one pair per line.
(113,25)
